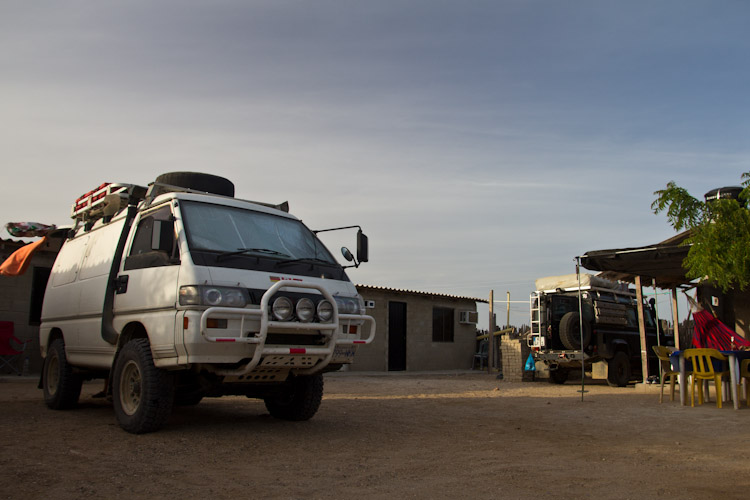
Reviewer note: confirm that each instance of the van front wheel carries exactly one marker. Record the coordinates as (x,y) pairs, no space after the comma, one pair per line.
(299,400)
(143,394)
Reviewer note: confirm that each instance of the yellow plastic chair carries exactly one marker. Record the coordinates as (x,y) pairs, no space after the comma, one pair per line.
(745,373)
(667,372)
(703,369)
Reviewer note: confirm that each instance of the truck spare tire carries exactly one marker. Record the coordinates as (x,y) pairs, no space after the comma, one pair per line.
(207,183)
(570,334)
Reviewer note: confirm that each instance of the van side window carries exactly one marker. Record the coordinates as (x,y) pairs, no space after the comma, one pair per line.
(154,242)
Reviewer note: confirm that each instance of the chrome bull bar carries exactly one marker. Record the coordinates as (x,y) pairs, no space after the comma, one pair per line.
(331,330)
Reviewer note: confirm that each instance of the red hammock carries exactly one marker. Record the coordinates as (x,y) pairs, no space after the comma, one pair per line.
(713,334)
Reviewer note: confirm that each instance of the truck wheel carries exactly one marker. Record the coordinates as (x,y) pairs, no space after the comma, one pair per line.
(570,333)
(200,182)
(142,394)
(618,370)
(61,386)
(558,376)
(299,401)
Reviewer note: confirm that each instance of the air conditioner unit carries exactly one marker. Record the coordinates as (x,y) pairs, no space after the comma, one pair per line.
(468,317)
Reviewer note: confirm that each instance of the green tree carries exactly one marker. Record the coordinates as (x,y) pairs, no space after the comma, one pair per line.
(719,233)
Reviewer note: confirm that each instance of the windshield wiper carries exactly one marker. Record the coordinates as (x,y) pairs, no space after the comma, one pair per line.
(314,260)
(239,251)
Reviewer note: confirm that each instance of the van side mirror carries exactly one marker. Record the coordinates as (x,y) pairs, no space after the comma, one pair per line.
(362,244)
(162,237)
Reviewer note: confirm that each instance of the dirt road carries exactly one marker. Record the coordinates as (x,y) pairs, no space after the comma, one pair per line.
(418,436)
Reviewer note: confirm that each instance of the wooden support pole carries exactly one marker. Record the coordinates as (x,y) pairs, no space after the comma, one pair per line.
(675,319)
(642,327)
(507,302)
(491,340)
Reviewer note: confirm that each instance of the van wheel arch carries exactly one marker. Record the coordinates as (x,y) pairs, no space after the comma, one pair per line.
(131,331)
(54,334)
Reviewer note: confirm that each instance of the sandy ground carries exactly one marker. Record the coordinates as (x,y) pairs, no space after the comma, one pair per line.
(462,435)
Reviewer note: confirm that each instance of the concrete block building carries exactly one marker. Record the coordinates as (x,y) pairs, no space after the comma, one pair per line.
(418,331)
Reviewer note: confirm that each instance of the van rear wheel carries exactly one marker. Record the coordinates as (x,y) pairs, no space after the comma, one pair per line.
(61,386)
(143,395)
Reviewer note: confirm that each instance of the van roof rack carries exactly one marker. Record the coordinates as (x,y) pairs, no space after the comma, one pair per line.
(107,199)
(110,197)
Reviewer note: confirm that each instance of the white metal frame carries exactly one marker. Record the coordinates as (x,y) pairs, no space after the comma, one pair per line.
(331,330)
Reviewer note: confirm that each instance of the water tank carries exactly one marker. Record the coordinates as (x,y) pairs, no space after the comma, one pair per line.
(730,192)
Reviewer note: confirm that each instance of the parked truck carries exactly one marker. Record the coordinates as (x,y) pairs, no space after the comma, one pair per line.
(606,341)
(178,291)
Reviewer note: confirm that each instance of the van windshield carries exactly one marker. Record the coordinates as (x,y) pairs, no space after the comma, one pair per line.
(230,232)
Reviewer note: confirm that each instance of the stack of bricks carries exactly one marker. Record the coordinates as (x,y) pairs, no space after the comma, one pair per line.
(515,352)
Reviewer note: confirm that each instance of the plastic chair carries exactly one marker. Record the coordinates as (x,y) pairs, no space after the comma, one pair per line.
(11,348)
(481,355)
(667,372)
(745,373)
(704,370)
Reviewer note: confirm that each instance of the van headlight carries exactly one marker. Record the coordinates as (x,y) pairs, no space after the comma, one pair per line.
(213,296)
(350,305)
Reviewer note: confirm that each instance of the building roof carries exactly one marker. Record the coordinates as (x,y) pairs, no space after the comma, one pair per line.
(425,294)
(661,262)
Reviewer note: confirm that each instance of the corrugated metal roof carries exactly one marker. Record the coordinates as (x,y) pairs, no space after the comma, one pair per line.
(415,292)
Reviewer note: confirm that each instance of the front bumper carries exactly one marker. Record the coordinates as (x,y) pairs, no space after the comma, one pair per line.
(250,342)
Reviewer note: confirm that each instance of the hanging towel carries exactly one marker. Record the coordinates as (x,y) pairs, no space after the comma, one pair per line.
(19,260)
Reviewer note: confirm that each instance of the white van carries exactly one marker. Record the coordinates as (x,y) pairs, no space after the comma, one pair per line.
(180,291)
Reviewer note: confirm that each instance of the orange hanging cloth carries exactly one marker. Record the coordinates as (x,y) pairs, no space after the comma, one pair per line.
(19,260)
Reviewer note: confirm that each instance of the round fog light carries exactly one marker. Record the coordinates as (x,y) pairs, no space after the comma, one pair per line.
(325,311)
(305,310)
(282,308)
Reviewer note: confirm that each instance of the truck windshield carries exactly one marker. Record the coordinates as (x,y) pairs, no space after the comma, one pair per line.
(231,231)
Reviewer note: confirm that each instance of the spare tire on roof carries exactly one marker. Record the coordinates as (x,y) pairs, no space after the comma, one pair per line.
(208,183)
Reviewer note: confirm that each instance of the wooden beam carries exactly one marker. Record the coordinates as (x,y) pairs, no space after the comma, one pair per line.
(642,327)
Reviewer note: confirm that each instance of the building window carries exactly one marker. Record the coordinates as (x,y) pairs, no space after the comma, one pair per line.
(442,324)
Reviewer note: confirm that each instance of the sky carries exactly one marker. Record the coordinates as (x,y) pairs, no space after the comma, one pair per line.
(479,144)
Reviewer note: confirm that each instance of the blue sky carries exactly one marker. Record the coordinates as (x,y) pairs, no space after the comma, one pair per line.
(480,144)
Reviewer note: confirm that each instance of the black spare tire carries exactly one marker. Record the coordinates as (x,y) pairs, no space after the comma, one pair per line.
(570,333)
(207,183)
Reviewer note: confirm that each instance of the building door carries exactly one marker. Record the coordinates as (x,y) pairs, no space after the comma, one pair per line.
(396,336)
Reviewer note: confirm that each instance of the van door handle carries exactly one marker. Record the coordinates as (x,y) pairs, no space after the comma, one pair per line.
(121,284)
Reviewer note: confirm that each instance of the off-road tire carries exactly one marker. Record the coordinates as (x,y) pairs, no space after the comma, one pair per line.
(142,394)
(570,333)
(199,181)
(60,385)
(558,376)
(298,401)
(618,370)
